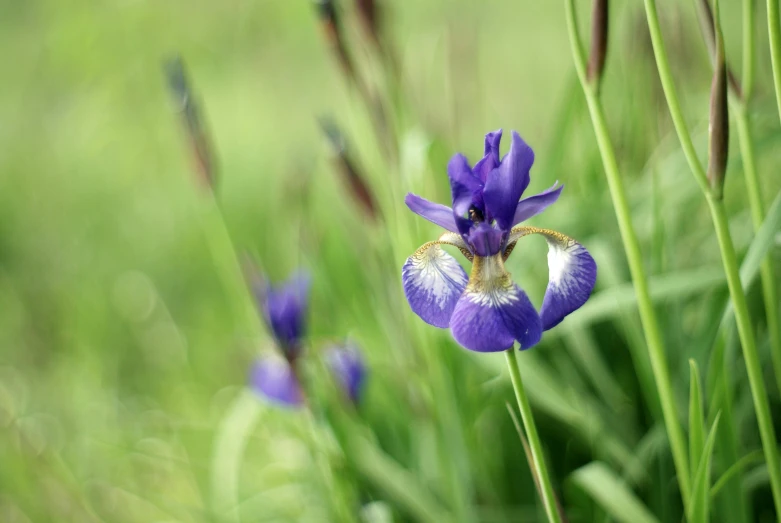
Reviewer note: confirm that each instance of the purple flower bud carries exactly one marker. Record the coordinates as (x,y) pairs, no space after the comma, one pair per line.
(347,365)
(284,308)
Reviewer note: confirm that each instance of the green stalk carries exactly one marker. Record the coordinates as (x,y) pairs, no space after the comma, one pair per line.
(546,488)
(653,336)
(753,365)
(774,28)
(729,259)
(743,119)
(767,274)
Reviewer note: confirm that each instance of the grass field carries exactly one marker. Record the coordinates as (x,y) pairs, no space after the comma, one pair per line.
(127,333)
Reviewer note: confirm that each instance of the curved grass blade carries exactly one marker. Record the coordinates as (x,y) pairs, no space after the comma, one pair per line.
(598,481)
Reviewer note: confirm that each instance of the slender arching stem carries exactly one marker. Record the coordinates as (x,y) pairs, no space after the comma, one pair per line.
(653,336)
(546,488)
(729,259)
(774,28)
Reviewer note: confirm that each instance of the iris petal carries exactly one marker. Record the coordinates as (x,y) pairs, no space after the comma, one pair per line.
(433,212)
(534,205)
(505,184)
(433,281)
(490,160)
(572,273)
(274,379)
(493,312)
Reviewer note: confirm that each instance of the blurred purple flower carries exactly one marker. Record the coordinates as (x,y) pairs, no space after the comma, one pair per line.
(486,311)
(275,379)
(347,365)
(284,309)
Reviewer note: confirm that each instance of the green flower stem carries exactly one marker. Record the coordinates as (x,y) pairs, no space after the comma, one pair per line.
(729,259)
(769,282)
(653,336)
(753,366)
(774,28)
(548,497)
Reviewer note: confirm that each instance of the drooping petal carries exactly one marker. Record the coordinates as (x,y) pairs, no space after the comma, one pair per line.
(347,365)
(433,281)
(493,312)
(534,205)
(490,160)
(572,273)
(505,184)
(274,379)
(433,212)
(485,240)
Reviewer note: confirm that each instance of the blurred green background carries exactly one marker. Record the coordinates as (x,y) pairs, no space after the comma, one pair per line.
(125,337)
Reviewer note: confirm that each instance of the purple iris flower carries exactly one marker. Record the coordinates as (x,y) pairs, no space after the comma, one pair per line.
(284,309)
(347,366)
(486,311)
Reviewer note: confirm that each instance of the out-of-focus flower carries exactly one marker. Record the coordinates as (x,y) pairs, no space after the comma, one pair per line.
(283,308)
(275,379)
(347,365)
(486,311)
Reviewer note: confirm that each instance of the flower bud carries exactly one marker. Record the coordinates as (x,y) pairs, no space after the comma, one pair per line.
(599,28)
(718,130)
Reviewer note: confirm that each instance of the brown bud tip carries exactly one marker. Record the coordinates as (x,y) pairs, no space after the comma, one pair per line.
(360,191)
(705,16)
(718,131)
(369,14)
(197,135)
(599,26)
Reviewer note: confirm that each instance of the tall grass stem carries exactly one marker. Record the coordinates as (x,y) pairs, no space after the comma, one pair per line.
(653,336)
(728,256)
(774,28)
(546,488)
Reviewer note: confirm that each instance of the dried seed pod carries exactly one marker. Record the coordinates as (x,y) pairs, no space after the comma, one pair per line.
(599,31)
(197,132)
(718,130)
(359,189)
(705,16)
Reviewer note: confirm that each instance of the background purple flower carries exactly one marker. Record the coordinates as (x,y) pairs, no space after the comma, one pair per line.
(284,308)
(347,365)
(275,379)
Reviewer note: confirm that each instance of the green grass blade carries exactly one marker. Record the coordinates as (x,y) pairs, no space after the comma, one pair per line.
(611,493)
(696,421)
(700,504)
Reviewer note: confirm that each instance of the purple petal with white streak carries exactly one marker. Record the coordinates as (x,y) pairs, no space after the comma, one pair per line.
(572,275)
(493,312)
(433,281)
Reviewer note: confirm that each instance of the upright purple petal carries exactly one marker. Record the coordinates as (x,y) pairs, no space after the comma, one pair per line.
(485,240)
(274,379)
(572,275)
(433,281)
(505,184)
(347,365)
(534,205)
(490,160)
(493,312)
(433,212)
(465,188)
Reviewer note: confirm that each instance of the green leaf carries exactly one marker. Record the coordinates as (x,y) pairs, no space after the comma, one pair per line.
(696,421)
(700,501)
(752,457)
(612,493)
